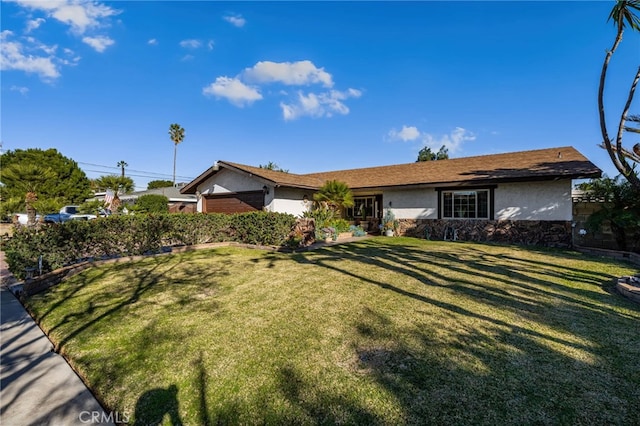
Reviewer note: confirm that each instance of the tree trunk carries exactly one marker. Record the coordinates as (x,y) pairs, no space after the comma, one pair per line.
(175,152)
(29,199)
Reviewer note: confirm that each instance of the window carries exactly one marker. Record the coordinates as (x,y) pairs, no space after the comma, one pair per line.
(362,207)
(473,204)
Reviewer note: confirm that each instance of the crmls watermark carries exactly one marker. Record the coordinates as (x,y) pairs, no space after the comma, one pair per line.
(92,417)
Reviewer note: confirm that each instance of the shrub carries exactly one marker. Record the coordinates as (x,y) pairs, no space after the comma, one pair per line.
(65,243)
(151,203)
(263,228)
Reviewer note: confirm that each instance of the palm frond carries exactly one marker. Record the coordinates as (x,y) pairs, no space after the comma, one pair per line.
(623,14)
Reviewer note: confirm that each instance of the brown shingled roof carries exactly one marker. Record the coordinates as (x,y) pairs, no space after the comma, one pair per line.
(564,162)
(276,177)
(542,164)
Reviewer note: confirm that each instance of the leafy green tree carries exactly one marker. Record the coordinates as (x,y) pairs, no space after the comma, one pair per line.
(65,183)
(620,208)
(159,184)
(622,14)
(335,195)
(176,133)
(425,154)
(152,203)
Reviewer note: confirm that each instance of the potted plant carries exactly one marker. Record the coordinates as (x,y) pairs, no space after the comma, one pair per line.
(389,223)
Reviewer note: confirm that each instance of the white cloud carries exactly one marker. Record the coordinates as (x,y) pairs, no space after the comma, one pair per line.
(36,44)
(152,42)
(234,90)
(407,133)
(15,56)
(78,15)
(324,104)
(210,45)
(290,73)
(20,89)
(453,141)
(187,58)
(190,44)
(99,43)
(34,24)
(244,89)
(236,20)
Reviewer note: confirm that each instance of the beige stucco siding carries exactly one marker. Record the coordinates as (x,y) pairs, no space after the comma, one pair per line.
(549,200)
(412,203)
(290,200)
(229,181)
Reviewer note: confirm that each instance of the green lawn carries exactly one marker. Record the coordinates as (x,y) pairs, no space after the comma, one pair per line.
(382,331)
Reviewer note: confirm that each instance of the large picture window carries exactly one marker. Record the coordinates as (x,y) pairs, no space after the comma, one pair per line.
(473,204)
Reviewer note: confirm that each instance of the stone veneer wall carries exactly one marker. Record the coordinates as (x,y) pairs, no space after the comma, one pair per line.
(521,232)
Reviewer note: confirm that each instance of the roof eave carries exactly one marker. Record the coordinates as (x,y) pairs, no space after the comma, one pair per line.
(192,186)
(482,181)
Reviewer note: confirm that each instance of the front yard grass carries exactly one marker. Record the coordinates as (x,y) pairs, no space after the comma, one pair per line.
(381,331)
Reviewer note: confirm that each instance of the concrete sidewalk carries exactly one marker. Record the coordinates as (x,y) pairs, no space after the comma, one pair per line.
(37,386)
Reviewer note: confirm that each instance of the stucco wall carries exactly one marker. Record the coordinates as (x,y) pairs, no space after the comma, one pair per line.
(229,181)
(550,200)
(290,200)
(412,203)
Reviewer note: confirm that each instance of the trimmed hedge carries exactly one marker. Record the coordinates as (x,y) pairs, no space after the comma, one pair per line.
(102,238)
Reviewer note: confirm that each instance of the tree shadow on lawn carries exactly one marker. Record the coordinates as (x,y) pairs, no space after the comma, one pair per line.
(105,306)
(470,381)
(577,373)
(314,406)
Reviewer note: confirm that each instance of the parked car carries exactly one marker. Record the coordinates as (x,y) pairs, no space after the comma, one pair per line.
(67,213)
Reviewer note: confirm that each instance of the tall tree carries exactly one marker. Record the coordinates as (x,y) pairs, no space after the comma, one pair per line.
(176,133)
(69,184)
(622,14)
(122,164)
(425,154)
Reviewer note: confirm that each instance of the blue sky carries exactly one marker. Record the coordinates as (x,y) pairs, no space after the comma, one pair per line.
(309,86)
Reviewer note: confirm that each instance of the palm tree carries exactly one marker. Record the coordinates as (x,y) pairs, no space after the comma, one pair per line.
(335,195)
(622,15)
(28,177)
(118,184)
(122,164)
(176,133)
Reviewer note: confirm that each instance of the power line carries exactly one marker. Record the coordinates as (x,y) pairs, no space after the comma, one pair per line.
(147,174)
(134,175)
